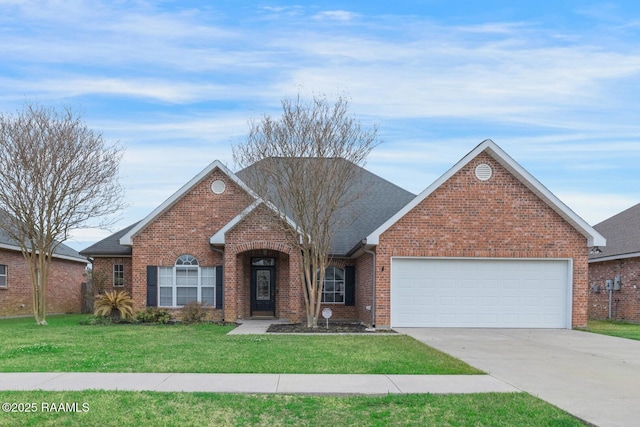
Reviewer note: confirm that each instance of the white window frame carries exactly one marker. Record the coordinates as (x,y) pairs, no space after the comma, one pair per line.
(190,263)
(4,275)
(335,283)
(118,276)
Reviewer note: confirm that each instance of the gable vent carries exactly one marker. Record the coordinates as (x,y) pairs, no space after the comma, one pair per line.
(218,186)
(483,172)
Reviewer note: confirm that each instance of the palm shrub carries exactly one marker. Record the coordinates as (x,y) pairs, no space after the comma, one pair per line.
(114,304)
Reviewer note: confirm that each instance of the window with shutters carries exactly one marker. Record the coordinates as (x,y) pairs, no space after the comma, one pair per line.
(333,286)
(186,281)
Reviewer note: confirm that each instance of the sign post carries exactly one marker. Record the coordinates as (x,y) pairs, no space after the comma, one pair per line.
(327,313)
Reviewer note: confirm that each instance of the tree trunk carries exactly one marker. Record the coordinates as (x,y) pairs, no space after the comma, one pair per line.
(39,273)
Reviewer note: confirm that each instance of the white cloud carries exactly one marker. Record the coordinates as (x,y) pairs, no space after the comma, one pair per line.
(336,15)
(596,207)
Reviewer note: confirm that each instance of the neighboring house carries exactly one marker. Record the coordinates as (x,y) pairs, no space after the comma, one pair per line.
(485,245)
(617,266)
(16,292)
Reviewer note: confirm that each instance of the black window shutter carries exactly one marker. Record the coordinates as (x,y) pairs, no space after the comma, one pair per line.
(350,285)
(219,287)
(152,286)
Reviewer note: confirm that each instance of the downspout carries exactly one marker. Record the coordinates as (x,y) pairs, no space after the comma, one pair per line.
(373,288)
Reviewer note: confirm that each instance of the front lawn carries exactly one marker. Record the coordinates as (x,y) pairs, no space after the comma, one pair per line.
(614,328)
(66,346)
(111,408)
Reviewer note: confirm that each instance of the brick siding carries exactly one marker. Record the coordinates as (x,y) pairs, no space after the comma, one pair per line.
(105,264)
(498,218)
(63,289)
(625,303)
(185,228)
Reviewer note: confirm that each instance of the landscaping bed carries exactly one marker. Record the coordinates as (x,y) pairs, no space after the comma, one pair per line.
(332,328)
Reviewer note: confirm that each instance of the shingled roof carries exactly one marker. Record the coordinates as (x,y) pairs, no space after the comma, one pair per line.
(378,200)
(62,251)
(110,246)
(375,200)
(622,232)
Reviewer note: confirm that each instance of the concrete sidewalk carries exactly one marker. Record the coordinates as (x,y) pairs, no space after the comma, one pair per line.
(256,383)
(254,326)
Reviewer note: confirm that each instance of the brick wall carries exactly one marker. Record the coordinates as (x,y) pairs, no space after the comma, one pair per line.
(63,289)
(625,303)
(260,234)
(105,264)
(466,217)
(364,289)
(185,228)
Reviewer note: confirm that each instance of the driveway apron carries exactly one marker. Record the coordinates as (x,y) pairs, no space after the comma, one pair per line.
(594,377)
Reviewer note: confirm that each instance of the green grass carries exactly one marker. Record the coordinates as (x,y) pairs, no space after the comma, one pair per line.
(66,346)
(109,408)
(614,328)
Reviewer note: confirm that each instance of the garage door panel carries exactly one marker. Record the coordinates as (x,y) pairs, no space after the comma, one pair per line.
(479,292)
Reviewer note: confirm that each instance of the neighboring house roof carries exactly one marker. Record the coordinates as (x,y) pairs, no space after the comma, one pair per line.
(110,246)
(491,148)
(62,251)
(623,236)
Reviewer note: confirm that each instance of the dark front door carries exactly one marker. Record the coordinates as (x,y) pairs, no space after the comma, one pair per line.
(263,286)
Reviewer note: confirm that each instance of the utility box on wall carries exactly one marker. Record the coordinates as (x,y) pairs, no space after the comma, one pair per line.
(608,285)
(617,283)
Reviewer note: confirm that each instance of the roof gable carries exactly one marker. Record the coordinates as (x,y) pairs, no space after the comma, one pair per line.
(126,239)
(492,149)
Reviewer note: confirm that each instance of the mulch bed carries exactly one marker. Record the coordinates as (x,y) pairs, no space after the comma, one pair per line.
(334,328)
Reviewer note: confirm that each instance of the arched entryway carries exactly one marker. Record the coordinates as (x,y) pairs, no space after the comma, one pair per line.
(263,281)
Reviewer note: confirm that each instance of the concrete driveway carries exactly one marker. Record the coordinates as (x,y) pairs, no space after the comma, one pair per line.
(594,377)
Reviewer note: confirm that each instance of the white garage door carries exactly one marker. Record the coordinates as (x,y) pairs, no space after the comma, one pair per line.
(487,293)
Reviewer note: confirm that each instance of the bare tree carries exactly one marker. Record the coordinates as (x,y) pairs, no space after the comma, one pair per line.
(304,165)
(55,176)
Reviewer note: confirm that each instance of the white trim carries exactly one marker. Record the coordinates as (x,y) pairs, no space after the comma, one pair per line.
(615,257)
(175,197)
(174,287)
(55,255)
(6,276)
(113,278)
(593,237)
(569,295)
(218,237)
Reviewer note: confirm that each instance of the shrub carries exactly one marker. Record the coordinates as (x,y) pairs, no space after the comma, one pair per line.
(153,315)
(96,320)
(115,304)
(194,312)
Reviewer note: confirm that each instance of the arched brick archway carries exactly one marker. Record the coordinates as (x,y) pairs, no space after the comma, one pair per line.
(238,295)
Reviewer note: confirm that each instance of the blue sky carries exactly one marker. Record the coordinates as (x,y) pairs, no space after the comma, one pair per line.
(554,83)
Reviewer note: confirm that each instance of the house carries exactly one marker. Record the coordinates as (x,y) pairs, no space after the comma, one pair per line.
(485,245)
(16,292)
(614,271)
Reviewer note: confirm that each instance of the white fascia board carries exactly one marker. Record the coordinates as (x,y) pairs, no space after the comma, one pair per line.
(593,237)
(55,255)
(127,238)
(615,257)
(218,238)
